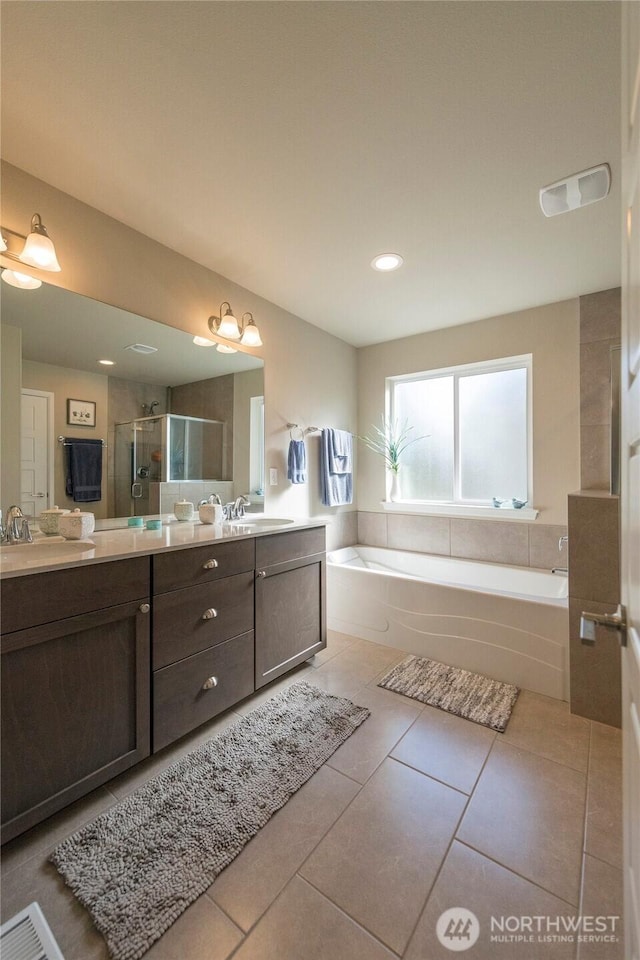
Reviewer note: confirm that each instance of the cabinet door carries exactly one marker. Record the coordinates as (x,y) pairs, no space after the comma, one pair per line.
(290,615)
(75,709)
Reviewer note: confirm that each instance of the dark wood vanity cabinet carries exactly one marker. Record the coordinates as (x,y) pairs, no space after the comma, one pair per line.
(203,641)
(102,661)
(290,601)
(75,689)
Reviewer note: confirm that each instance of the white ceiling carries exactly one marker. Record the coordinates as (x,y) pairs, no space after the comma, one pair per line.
(284,144)
(68,330)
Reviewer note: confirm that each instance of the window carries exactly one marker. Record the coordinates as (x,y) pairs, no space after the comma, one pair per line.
(476,420)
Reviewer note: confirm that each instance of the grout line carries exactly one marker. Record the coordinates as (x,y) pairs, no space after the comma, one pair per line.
(430,776)
(614,866)
(540,756)
(534,883)
(353,919)
(220,908)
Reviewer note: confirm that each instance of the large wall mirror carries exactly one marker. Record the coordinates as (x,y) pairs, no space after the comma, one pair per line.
(176,419)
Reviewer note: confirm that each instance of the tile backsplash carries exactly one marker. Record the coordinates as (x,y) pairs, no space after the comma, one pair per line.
(497,541)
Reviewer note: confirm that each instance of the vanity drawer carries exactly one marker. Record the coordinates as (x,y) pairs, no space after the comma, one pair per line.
(194,618)
(180,700)
(280,547)
(184,568)
(44,597)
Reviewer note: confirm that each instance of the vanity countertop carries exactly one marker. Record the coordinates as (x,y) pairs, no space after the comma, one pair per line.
(113,540)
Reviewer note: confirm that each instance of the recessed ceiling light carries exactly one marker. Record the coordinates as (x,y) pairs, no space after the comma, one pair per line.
(141,348)
(203,342)
(107,363)
(387,261)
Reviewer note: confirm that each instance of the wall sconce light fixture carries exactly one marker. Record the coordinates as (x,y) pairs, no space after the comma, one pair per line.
(226,325)
(38,251)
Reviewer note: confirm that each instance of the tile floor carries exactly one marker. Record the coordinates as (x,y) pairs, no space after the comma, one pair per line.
(417,812)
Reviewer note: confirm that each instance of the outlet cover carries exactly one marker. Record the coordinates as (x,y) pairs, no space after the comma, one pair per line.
(273,476)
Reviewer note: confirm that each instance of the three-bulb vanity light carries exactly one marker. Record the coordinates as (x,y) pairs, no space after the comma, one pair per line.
(243,331)
(38,251)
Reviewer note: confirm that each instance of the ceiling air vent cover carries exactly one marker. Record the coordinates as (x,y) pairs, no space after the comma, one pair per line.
(143,348)
(576,191)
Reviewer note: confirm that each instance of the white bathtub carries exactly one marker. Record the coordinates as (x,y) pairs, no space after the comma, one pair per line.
(511,623)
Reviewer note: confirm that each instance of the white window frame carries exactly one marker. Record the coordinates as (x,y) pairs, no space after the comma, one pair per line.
(256,445)
(459,506)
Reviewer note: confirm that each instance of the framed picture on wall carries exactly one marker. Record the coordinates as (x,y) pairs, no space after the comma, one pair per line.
(81,413)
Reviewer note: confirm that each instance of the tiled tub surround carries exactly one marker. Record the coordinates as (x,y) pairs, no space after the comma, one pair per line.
(418,811)
(516,543)
(507,623)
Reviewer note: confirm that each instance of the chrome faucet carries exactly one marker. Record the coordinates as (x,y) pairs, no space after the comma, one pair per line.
(561,541)
(235,509)
(16,529)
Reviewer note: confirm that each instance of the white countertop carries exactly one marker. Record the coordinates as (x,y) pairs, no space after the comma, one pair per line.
(117,541)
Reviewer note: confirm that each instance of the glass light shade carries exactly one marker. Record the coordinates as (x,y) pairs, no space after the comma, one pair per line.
(251,336)
(20,280)
(223,348)
(229,327)
(203,342)
(3,244)
(40,252)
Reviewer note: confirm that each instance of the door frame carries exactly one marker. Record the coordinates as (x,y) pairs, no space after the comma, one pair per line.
(50,397)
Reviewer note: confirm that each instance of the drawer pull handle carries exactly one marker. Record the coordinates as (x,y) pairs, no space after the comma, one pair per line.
(210,683)
(210,565)
(145,607)
(261,574)
(209,614)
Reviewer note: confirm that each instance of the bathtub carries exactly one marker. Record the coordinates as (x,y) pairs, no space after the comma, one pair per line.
(510,623)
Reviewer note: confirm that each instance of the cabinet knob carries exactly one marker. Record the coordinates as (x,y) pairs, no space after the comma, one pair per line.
(261,574)
(210,565)
(209,614)
(210,683)
(145,607)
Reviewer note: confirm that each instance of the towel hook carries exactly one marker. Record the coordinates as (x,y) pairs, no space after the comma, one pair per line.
(295,426)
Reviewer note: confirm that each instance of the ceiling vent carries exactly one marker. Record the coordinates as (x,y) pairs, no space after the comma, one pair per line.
(141,348)
(579,190)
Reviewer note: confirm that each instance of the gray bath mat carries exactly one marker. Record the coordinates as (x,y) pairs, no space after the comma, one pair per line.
(466,694)
(138,866)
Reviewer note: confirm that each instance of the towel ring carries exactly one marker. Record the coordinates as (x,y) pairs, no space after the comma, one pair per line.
(295,426)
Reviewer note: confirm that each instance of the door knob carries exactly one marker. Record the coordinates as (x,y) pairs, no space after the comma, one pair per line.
(615,621)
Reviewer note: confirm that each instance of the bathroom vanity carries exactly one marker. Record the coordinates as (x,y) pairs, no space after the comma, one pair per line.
(113,656)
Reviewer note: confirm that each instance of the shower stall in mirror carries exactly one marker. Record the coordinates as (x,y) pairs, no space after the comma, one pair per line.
(162,449)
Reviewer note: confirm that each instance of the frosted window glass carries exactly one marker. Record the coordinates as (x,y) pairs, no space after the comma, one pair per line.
(426,471)
(493,435)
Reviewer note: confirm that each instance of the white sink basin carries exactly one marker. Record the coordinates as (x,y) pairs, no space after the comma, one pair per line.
(44,549)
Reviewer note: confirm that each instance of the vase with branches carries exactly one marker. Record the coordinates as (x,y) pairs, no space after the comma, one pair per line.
(389,441)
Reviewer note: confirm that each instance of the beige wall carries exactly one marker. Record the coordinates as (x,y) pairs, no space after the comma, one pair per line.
(11,375)
(550,334)
(310,376)
(75,384)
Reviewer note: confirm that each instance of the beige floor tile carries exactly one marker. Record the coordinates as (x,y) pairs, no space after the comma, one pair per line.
(46,834)
(446,747)
(303,672)
(602,896)
(391,716)
(336,643)
(130,780)
(201,933)
(545,726)
(379,860)
(603,837)
(248,885)
(304,925)
(489,891)
(528,814)
(70,923)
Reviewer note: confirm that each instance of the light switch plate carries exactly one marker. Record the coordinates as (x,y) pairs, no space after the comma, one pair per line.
(273,476)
